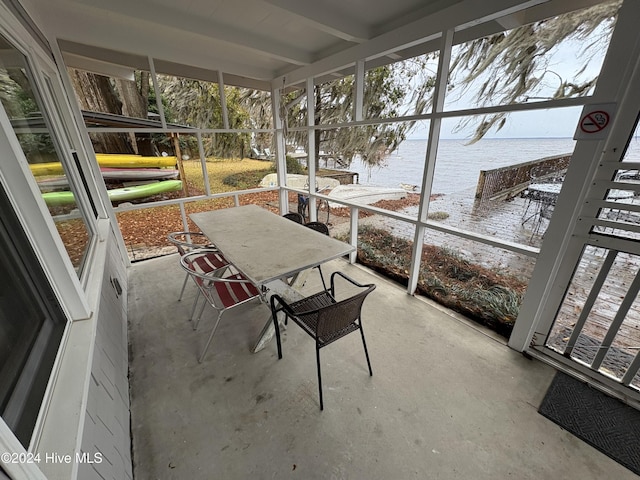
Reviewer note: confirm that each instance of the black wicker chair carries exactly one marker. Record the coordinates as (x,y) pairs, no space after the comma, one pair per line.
(324,318)
(294,216)
(324,229)
(318,227)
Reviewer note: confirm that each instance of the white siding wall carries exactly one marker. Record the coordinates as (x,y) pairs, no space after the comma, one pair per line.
(106,425)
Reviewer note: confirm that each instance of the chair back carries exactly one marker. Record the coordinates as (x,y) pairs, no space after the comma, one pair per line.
(203,265)
(318,227)
(188,241)
(294,216)
(208,275)
(333,319)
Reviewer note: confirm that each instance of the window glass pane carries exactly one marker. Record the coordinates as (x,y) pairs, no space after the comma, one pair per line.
(233,165)
(110,102)
(293,106)
(31,327)
(248,108)
(24,106)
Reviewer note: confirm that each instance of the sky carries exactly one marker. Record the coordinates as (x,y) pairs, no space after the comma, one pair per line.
(564,62)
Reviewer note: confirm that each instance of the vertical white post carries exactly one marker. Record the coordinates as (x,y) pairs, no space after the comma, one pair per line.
(358,92)
(203,163)
(281,164)
(353,234)
(311,148)
(156,89)
(223,101)
(430,161)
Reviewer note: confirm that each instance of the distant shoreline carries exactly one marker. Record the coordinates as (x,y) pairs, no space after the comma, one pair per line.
(502,138)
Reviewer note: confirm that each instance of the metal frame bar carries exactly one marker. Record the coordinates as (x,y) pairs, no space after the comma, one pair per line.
(591,300)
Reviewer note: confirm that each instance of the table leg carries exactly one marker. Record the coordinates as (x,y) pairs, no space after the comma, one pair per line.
(286,291)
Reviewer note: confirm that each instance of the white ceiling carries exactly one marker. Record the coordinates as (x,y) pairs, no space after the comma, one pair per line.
(254,42)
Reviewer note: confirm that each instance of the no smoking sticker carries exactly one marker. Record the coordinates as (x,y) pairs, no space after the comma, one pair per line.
(594,122)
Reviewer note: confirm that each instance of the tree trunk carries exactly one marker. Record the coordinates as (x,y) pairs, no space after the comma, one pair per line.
(135,104)
(96,94)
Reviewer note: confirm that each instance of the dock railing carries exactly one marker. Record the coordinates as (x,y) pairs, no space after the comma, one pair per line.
(507,182)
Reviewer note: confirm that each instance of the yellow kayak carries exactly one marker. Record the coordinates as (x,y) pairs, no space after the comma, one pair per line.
(108,160)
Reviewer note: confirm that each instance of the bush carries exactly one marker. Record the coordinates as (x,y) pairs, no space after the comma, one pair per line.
(251,179)
(245,180)
(294,167)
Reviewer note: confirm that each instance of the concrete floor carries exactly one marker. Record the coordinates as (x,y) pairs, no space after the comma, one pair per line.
(447,400)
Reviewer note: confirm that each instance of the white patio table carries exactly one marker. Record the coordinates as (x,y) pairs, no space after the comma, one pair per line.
(267,248)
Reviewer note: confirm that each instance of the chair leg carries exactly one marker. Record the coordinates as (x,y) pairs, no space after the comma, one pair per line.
(184,285)
(213,331)
(366,352)
(324,285)
(319,376)
(274,315)
(196,321)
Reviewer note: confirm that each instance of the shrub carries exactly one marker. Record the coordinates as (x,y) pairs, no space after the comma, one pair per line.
(245,180)
(438,216)
(251,179)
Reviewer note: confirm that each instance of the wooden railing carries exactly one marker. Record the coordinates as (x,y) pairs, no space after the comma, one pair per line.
(507,182)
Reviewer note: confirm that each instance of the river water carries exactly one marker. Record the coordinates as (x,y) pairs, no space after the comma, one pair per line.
(458,165)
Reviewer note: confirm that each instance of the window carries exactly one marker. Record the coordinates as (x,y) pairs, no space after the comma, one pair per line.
(46,148)
(31,327)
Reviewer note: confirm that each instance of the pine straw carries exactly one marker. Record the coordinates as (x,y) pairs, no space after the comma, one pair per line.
(488,297)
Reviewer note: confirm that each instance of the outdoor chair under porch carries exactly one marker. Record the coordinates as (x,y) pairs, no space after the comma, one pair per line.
(324,229)
(186,242)
(324,318)
(221,292)
(294,217)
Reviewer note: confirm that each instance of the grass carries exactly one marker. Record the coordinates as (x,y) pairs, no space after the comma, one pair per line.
(220,169)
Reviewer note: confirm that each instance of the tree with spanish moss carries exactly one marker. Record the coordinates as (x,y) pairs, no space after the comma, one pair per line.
(514,66)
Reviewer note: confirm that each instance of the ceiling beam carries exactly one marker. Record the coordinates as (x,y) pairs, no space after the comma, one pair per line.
(324,19)
(461,15)
(169,19)
(114,63)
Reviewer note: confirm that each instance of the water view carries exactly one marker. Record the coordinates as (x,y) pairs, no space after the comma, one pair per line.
(458,164)
(456,176)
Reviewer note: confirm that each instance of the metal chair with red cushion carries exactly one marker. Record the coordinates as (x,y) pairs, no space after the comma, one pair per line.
(187,242)
(221,292)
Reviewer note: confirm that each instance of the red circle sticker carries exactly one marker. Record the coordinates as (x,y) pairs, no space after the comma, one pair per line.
(594,122)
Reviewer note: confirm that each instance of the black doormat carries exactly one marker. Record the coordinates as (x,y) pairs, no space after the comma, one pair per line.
(602,421)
